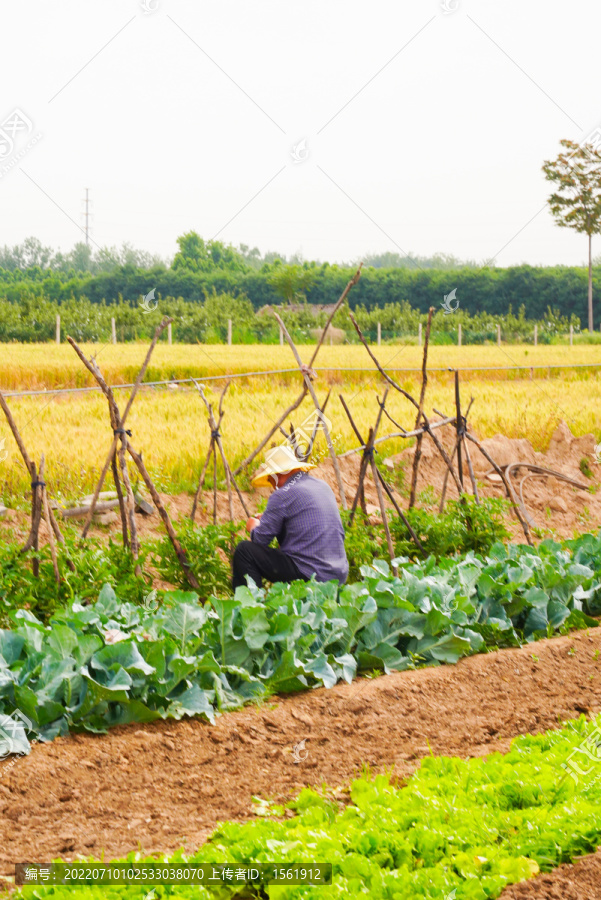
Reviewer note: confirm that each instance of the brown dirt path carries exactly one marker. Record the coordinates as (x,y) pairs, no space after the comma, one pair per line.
(160,786)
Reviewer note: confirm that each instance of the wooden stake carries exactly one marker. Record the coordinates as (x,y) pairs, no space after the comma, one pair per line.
(183,560)
(427,429)
(46,512)
(458,427)
(119,430)
(201,480)
(307,378)
(122,509)
(15,432)
(508,487)
(216,440)
(363,469)
(270,434)
(137,458)
(132,397)
(418,444)
(445,482)
(214,484)
(341,300)
(395,570)
(471,471)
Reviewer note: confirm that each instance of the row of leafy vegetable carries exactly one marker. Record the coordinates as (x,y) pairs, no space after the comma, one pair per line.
(461,829)
(462,527)
(112,662)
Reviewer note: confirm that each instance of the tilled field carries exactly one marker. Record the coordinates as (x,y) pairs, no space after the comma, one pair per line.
(165,785)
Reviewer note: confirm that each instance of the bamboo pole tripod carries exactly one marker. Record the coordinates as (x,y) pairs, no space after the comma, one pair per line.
(117,461)
(216,444)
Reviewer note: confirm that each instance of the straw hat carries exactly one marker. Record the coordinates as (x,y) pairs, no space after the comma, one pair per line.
(278,461)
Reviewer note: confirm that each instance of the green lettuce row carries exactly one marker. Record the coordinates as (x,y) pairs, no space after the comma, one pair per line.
(460,829)
(112,663)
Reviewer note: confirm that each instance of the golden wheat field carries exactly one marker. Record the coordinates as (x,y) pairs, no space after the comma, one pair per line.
(170,425)
(47,366)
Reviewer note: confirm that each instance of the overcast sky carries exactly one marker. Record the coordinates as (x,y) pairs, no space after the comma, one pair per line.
(417,129)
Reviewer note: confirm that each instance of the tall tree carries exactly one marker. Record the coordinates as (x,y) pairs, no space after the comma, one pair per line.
(204,256)
(577,201)
(291,282)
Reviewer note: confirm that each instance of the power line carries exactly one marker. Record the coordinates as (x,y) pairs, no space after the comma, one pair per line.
(200,378)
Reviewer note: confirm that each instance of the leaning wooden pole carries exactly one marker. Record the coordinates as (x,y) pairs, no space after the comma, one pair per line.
(121,499)
(201,479)
(364,463)
(53,524)
(228,483)
(459,427)
(307,378)
(217,445)
(395,570)
(470,469)
(123,435)
(510,493)
(179,551)
(28,465)
(270,434)
(428,429)
(418,441)
(166,321)
(46,515)
(341,300)
(33,541)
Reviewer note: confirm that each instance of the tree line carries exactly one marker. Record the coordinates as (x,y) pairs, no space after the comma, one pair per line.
(486,290)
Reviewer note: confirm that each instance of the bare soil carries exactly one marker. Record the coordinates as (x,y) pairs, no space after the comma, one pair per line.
(164,785)
(578,881)
(161,786)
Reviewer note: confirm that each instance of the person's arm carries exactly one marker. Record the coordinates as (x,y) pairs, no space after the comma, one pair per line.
(252,522)
(271,522)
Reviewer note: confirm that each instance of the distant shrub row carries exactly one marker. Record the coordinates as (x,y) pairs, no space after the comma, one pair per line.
(33,319)
(492,291)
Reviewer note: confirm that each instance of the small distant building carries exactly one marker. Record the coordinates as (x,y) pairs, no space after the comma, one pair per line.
(315,308)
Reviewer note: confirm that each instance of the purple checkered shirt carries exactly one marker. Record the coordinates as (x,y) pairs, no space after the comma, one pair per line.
(303,516)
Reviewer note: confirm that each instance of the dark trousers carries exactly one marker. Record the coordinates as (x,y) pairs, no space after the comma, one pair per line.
(262,563)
